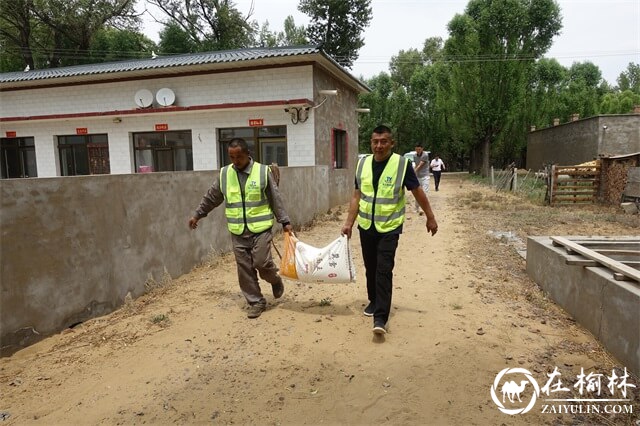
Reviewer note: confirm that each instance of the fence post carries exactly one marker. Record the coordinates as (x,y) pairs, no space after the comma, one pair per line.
(515,179)
(551,183)
(492,177)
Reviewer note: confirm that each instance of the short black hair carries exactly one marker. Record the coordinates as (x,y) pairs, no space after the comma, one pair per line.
(380,129)
(239,143)
(418,145)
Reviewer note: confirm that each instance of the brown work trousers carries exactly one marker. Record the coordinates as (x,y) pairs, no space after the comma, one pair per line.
(253,256)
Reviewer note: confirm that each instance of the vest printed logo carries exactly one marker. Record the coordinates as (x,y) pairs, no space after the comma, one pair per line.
(387,180)
(253,184)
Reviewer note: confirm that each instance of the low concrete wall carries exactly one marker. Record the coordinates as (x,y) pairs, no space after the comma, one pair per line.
(73,247)
(607,308)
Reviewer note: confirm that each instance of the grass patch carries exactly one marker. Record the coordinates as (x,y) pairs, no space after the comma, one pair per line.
(160,319)
(325,302)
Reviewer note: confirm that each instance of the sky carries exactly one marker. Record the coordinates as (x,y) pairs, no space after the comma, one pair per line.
(605,32)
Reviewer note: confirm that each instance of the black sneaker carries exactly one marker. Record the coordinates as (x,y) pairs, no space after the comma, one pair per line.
(368,311)
(379,328)
(278,289)
(256,309)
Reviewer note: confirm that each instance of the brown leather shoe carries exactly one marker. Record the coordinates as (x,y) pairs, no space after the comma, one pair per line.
(256,310)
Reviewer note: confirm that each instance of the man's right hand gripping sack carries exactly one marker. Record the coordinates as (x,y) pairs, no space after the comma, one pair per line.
(305,263)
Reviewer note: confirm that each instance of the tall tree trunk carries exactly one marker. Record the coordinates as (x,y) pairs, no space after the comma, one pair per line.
(486,156)
(475,159)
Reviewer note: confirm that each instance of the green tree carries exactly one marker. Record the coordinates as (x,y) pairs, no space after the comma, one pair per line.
(404,65)
(491,48)
(630,78)
(619,102)
(174,40)
(209,24)
(266,37)
(111,44)
(379,103)
(51,33)
(16,21)
(546,84)
(291,36)
(337,25)
(72,25)
(582,92)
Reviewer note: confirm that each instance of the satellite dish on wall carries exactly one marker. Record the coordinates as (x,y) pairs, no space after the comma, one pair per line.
(165,97)
(143,98)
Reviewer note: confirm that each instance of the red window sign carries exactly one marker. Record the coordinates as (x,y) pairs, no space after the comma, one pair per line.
(82,131)
(256,122)
(162,126)
(11,134)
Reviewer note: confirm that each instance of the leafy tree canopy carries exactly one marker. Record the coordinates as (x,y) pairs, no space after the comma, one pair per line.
(337,25)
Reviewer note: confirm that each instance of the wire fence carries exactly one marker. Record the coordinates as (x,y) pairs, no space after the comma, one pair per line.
(526,182)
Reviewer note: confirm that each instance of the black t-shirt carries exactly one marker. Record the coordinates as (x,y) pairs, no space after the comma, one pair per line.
(409,182)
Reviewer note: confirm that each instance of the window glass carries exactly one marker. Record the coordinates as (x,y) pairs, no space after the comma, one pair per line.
(273,131)
(17,158)
(266,144)
(163,151)
(98,139)
(84,154)
(339,148)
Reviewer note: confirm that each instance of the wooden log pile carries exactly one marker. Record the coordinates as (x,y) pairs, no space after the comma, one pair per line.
(614,177)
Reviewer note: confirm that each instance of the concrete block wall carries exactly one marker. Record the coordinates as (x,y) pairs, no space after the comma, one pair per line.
(583,140)
(609,309)
(73,247)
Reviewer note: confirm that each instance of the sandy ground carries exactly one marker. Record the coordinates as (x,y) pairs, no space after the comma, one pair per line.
(463,310)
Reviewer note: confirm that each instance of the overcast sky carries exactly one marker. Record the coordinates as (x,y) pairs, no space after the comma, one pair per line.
(605,32)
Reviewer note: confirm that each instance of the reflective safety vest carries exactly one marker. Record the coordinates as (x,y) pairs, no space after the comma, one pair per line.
(388,200)
(252,209)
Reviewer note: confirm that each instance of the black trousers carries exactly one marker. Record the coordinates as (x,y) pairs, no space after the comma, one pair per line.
(436,177)
(378,253)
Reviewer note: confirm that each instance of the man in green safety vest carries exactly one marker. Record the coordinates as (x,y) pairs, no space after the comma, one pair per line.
(252,199)
(378,204)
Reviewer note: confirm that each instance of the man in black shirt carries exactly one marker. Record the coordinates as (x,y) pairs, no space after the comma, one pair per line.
(378,203)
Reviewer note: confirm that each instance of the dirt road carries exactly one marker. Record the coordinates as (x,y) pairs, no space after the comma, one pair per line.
(463,310)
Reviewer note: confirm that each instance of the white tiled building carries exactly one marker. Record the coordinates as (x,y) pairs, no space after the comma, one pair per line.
(176,113)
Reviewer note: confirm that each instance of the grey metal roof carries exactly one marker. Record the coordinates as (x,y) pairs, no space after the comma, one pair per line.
(217,57)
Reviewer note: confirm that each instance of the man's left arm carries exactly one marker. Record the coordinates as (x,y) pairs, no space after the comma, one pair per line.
(277,205)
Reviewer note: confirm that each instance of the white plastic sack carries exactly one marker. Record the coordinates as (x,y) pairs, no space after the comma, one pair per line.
(329,264)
